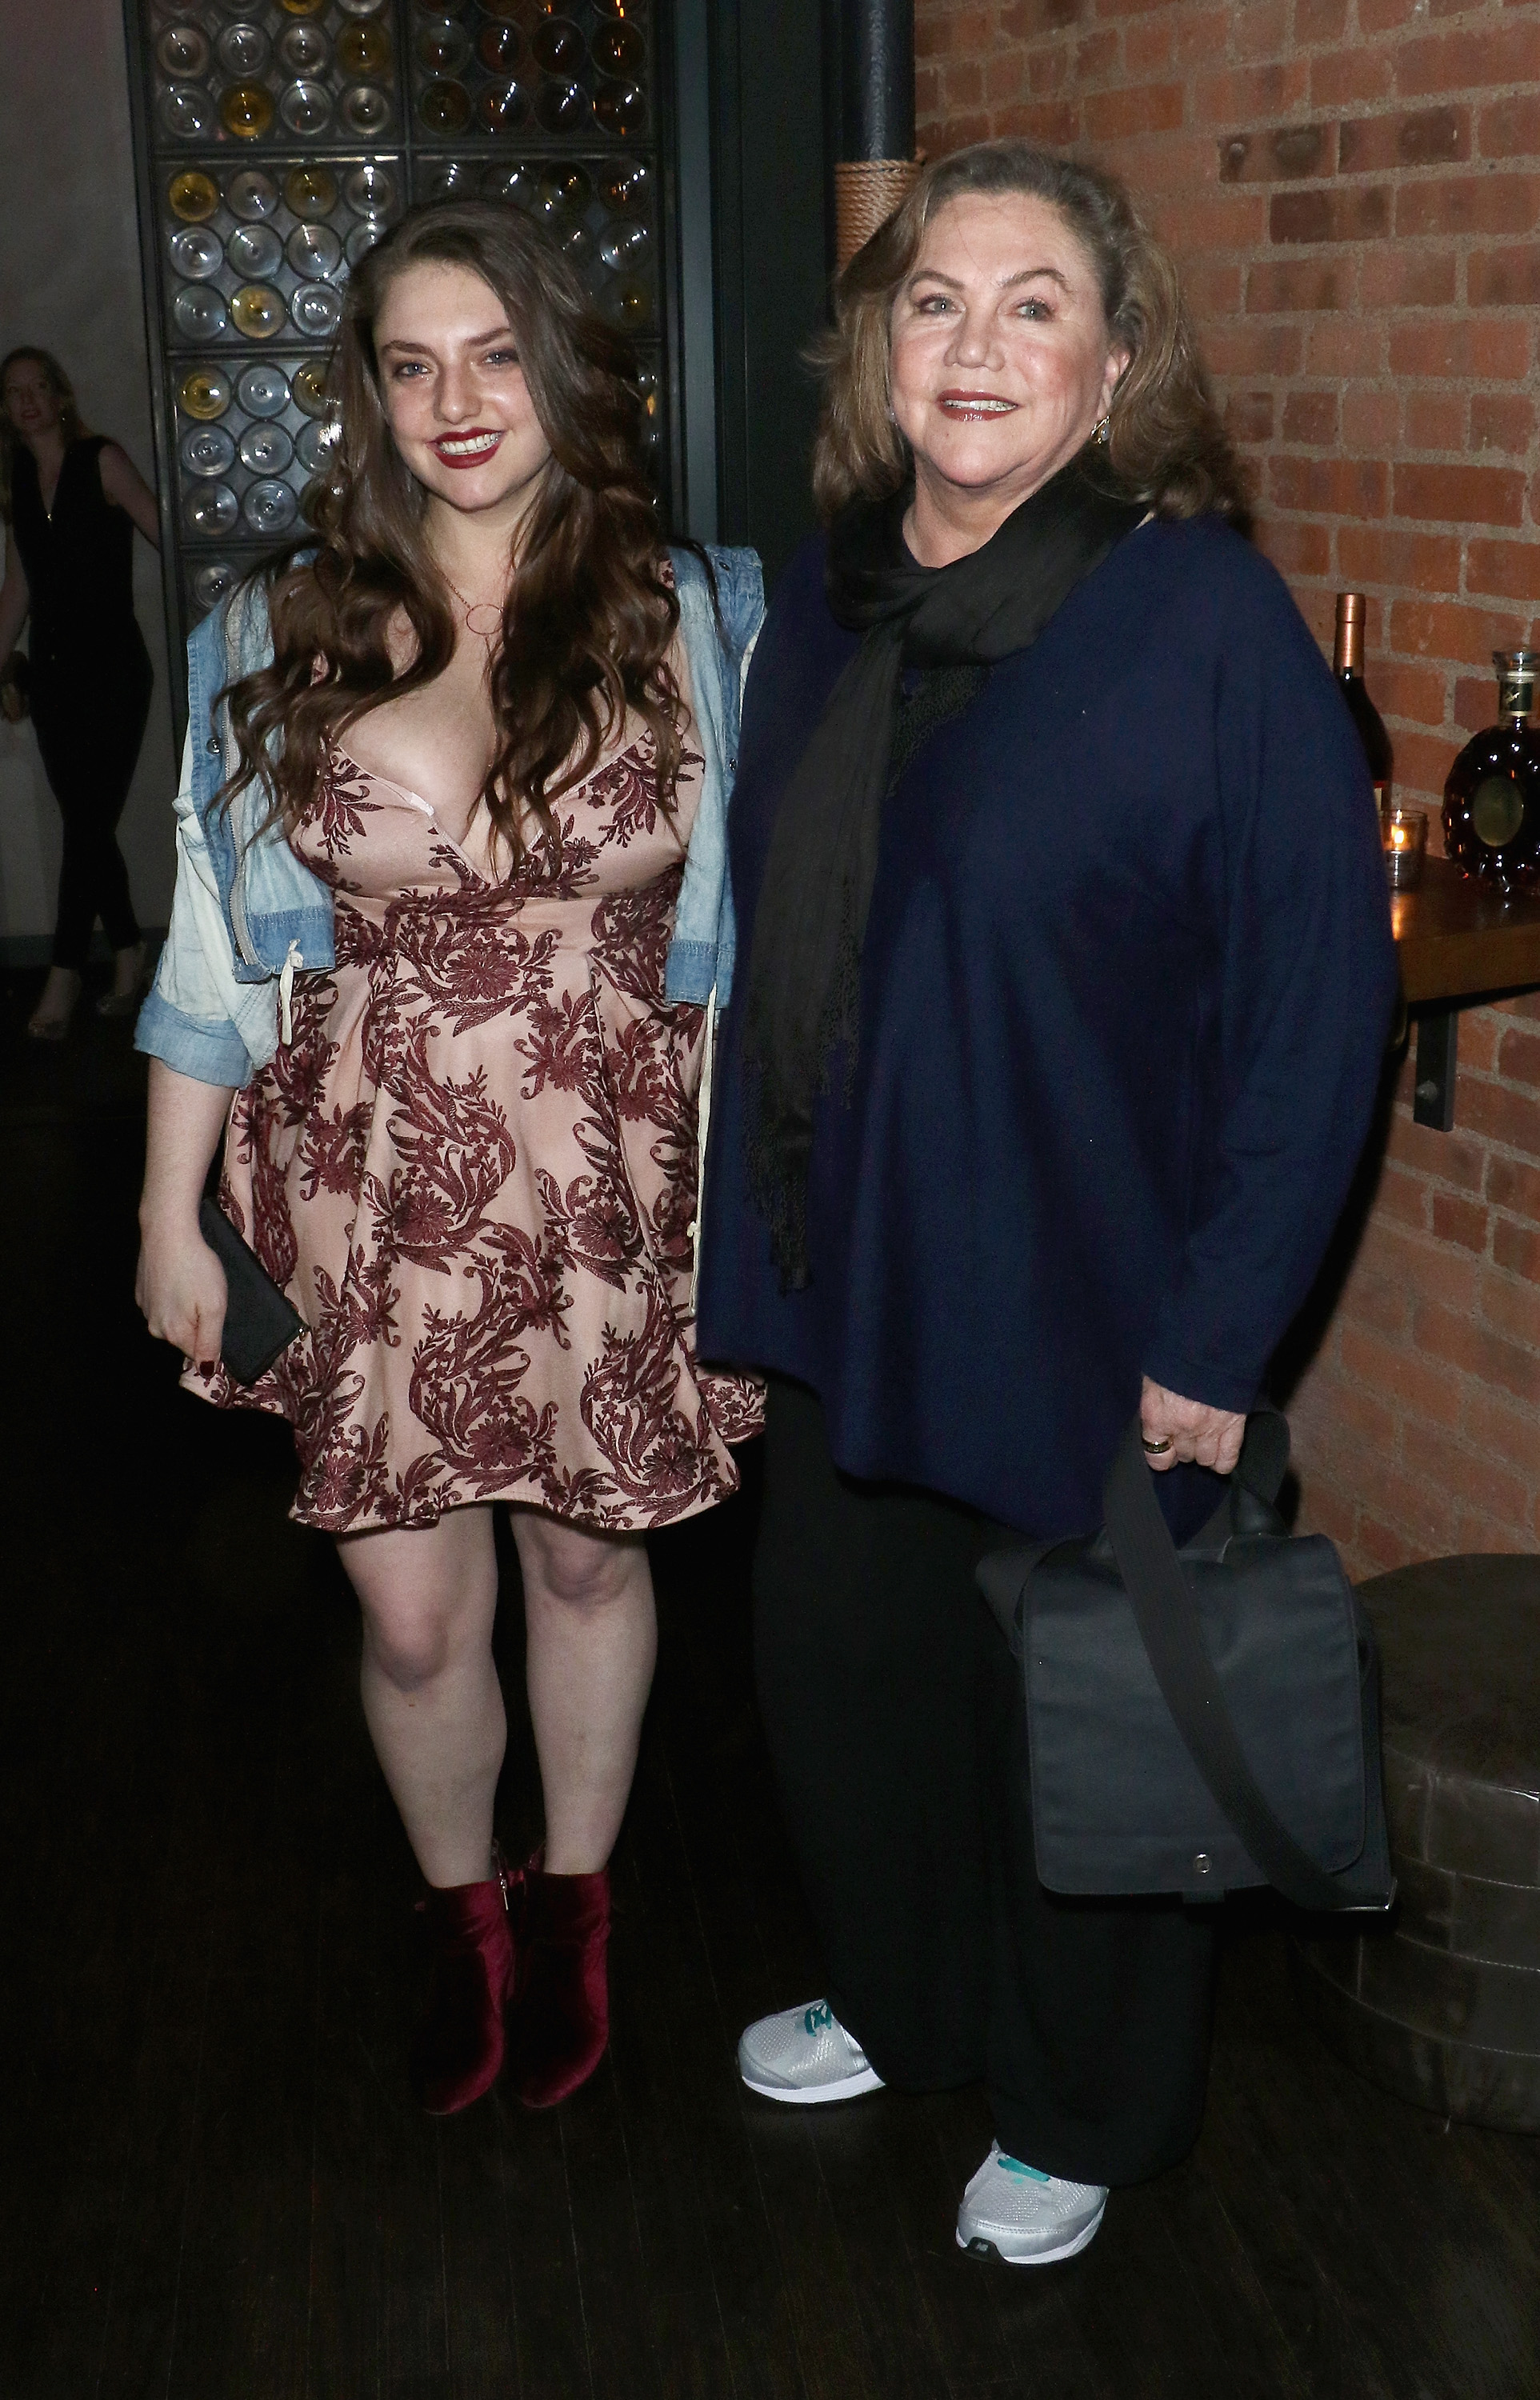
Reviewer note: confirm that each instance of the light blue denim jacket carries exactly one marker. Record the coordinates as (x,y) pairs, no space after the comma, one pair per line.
(249,915)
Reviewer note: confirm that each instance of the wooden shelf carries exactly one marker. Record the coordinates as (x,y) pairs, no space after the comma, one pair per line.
(1456,939)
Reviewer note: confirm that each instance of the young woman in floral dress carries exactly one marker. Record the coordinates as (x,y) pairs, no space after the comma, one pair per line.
(466,1146)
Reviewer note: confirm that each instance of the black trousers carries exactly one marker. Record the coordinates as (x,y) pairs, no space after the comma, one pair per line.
(91,748)
(895,1720)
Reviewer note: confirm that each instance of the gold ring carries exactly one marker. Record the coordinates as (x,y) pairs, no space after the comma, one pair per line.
(1155,1449)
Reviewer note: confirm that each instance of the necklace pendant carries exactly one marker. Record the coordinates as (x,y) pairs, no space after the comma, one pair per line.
(484,609)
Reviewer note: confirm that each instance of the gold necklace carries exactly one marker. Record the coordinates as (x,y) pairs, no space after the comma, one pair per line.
(472,608)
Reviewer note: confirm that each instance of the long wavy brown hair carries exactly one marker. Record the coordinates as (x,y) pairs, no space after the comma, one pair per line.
(590,616)
(69,413)
(1165,446)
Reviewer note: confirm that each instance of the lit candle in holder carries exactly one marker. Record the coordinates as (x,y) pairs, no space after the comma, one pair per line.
(1404,835)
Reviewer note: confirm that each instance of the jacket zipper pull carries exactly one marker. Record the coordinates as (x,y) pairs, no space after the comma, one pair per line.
(294,958)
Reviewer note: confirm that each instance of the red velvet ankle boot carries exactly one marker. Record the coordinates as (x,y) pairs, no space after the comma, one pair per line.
(559,2022)
(457,2051)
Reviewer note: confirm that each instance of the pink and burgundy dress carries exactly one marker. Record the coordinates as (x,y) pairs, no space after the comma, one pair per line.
(473,1169)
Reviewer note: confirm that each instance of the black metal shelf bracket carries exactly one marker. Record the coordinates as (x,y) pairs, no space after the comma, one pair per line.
(1432,1086)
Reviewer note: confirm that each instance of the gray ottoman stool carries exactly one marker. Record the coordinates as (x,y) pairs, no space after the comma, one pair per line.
(1444,2007)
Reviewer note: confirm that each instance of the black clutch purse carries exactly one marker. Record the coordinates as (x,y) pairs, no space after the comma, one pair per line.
(259,1321)
(1203,1720)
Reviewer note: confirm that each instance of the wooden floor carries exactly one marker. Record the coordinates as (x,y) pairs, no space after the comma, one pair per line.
(214,2186)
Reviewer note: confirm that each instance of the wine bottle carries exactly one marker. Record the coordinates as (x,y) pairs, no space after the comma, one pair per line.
(1491,800)
(1348,667)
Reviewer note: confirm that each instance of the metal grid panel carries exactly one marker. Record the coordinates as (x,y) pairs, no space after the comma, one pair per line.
(277,138)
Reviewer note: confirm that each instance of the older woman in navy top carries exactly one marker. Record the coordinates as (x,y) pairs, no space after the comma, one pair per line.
(1069,977)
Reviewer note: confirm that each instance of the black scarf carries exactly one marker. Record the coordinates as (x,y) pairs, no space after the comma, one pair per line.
(951,623)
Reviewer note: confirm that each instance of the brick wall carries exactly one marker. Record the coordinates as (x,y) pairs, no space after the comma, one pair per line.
(1352,189)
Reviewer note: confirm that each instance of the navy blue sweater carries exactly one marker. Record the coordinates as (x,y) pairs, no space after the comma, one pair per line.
(1125,987)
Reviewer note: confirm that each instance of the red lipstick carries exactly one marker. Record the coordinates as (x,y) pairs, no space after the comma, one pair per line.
(472,447)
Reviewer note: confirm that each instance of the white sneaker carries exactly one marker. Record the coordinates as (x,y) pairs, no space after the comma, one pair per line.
(1025,2217)
(805,2056)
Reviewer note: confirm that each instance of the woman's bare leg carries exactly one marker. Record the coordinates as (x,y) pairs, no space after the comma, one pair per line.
(591,1641)
(431,1698)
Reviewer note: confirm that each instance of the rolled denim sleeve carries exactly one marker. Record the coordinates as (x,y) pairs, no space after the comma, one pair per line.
(196,1016)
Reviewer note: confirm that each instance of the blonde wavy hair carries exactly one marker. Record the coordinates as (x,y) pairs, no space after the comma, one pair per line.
(69,413)
(1167,446)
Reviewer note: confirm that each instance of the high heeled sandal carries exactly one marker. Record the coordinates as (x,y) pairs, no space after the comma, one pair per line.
(459,2045)
(558,2025)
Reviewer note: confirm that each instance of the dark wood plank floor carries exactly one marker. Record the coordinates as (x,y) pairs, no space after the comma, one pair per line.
(215,2185)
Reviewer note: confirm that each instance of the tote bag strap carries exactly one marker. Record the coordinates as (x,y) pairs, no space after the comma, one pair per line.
(1171,1630)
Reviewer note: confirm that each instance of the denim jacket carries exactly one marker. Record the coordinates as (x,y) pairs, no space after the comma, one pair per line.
(249,914)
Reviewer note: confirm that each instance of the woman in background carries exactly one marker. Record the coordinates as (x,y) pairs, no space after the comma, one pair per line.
(72,501)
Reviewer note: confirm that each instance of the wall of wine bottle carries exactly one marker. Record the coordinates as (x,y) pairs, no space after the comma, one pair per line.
(278,139)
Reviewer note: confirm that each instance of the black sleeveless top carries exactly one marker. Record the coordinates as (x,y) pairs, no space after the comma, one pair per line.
(85,642)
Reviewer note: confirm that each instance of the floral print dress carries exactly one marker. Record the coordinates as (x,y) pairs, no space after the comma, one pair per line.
(472,1169)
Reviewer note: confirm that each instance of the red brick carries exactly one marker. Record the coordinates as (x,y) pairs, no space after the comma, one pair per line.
(1395,278)
(1255,349)
(1469,349)
(1201,34)
(1309,416)
(1460,495)
(1323,1510)
(1405,1196)
(1518,1058)
(1495,1424)
(1239,95)
(1501,421)
(1472,1349)
(1319,20)
(1383,16)
(1474,703)
(1149,44)
(962,83)
(1428,137)
(1505,279)
(1004,76)
(1344,79)
(1510,129)
(1468,204)
(1408,692)
(1429,1270)
(1509,1117)
(1259,30)
(1371,418)
(1442,1155)
(1212,288)
(1476,1534)
(1054,121)
(1380,1549)
(1224,220)
(1494,56)
(1422,561)
(1464,1221)
(1434,420)
(1517,1249)
(1480,1032)
(1249,416)
(1023,19)
(1352,487)
(1277,154)
(1464,1475)
(1296,549)
(1512,1306)
(1096,55)
(1509,569)
(1448,629)
(1298,283)
(1142,108)
(1422,763)
(1347,213)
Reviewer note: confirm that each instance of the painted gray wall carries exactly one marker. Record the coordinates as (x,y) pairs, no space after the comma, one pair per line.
(70,280)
